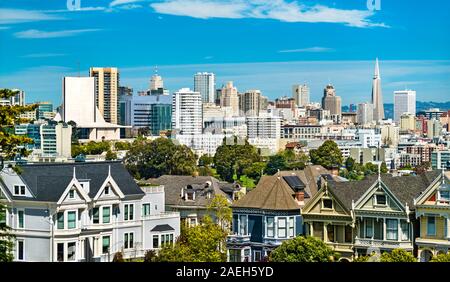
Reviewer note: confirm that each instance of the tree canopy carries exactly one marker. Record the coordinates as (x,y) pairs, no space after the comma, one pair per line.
(397,255)
(6,239)
(149,159)
(303,249)
(327,155)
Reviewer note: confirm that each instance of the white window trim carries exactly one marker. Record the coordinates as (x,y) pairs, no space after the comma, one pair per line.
(20,186)
(267,227)
(74,194)
(323,205)
(149,210)
(110,214)
(375,202)
(132,232)
(289,226)
(66,219)
(285,228)
(110,241)
(134,212)
(246,226)
(18,218)
(66,246)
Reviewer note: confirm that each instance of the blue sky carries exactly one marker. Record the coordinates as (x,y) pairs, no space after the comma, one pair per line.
(262,44)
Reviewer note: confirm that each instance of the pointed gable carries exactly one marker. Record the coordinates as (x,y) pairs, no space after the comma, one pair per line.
(437,181)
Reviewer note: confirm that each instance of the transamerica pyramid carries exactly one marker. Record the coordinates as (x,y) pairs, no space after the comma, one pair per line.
(377,97)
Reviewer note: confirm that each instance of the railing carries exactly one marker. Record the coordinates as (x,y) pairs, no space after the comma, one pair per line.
(153,189)
(162,215)
(362,242)
(340,246)
(237,238)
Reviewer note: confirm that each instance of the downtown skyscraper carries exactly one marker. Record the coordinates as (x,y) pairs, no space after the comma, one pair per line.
(204,83)
(377,97)
(106,90)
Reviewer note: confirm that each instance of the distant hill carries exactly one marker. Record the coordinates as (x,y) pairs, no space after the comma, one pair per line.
(420,106)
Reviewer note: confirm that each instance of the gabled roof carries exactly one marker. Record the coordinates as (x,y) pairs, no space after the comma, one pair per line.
(162,228)
(404,188)
(48,181)
(271,193)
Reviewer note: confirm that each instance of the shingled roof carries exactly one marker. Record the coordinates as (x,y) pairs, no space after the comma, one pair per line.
(405,188)
(271,193)
(47,181)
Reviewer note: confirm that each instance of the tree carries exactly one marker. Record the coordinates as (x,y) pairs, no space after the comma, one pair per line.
(150,256)
(303,249)
(11,145)
(397,255)
(276,163)
(328,155)
(122,146)
(384,168)
(6,239)
(161,156)
(201,243)
(75,132)
(231,160)
(423,167)
(205,160)
(441,258)
(118,257)
(222,210)
(255,170)
(350,164)
(110,156)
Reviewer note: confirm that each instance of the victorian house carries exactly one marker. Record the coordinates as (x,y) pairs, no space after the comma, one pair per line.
(433,214)
(83,212)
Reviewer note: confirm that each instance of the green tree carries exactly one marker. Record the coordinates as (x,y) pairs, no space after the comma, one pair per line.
(150,256)
(110,156)
(205,160)
(11,144)
(201,243)
(397,255)
(121,146)
(158,157)
(255,170)
(328,155)
(441,258)
(222,210)
(384,168)
(276,162)
(233,159)
(303,249)
(76,132)
(118,257)
(350,164)
(6,238)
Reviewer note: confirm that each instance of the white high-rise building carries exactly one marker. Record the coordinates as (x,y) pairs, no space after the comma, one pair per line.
(204,83)
(365,113)
(187,112)
(264,126)
(404,102)
(301,94)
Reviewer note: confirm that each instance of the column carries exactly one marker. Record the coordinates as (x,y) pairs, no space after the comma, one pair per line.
(325,232)
(448,227)
(399,230)
(311,230)
(384,228)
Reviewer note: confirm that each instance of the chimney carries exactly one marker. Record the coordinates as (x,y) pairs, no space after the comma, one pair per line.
(300,195)
(335,171)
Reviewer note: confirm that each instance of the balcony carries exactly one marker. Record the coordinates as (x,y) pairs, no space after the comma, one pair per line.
(161,215)
(340,246)
(153,189)
(238,239)
(384,244)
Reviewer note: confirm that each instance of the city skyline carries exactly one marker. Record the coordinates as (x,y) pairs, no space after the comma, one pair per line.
(47,41)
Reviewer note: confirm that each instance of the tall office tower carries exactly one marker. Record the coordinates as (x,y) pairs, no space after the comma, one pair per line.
(229,99)
(106,87)
(404,102)
(151,111)
(156,81)
(205,83)
(301,94)
(332,103)
(377,97)
(365,113)
(250,102)
(187,112)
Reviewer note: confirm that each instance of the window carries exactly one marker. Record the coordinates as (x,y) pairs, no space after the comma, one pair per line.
(72,194)
(282,227)
(242,225)
(291,227)
(192,221)
(71,220)
(145,209)
(19,190)
(71,249)
(235,255)
(20,250)
(60,219)
(106,240)
(60,252)
(106,191)
(369,227)
(270,227)
(95,215)
(391,229)
(190,196)
(327,203)
(405,230)
(444,196)
(257,256)
(20,218)
(106,214)
(431,226)
(348,234)
(155,241)
(3,217)
(380,200)
(128,240)
(129,212)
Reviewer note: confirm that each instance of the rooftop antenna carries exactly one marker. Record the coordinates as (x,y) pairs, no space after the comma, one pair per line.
(74,173)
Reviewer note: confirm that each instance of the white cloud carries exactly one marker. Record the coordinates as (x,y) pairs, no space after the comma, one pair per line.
(43,55)
(34,33)
(13,16)
(281,10)
(308,50)
(4,27)
(122,2)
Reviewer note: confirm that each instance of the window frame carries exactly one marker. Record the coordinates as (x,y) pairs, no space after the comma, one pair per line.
(103,244)
(291,227)
(60,220)
(144,205)
(20,211)
(74,252)
(434,226)
(245,231)
(128,214)
(270,227)
(128,237)
(323,203)
(390,229)
(67,219)
(109,215)
(380,204)
(19,253)
(279,228)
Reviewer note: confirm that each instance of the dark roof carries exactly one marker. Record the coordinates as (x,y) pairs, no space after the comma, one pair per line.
(174,183)
(405,188)
(162,227)
(271,193)
(48,181)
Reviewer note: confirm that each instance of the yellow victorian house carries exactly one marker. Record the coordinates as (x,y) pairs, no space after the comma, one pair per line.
(433,214)
(329,220)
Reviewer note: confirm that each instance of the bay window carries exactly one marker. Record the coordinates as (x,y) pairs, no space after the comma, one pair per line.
(71,251)
(71,220)
(369,227)
(405,230)
(391,229)
(291,227)
(106,241)
(60,220)
(243,224)
(96,215)
(270,227)
(106,214)
(282,227)
(431,226)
